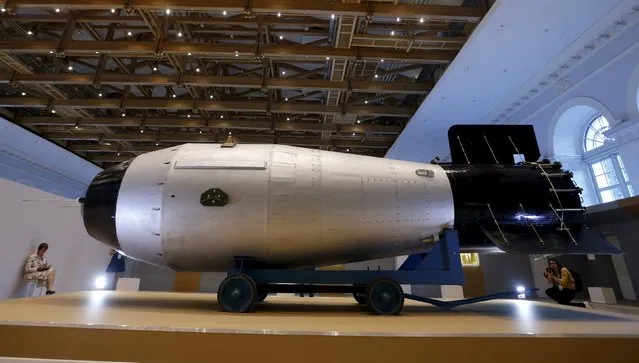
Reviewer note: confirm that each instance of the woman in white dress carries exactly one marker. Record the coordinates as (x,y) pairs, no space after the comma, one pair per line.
(38,269)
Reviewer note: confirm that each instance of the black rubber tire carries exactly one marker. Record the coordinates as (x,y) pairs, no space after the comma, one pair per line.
(261,296)
(237,294)
(360,297)
(385,297)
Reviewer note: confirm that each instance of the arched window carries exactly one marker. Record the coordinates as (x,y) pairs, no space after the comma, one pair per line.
(608,171)
(595,133)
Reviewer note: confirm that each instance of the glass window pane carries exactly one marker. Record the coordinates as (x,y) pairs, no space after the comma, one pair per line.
(607,165)
(606,196)
(612,178)
(620,162)
(597,169)
(617,193)
(602,182)
(594,134)
(626,178)
(631,191)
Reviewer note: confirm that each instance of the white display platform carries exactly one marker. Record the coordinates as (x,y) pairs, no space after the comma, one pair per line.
(452,292)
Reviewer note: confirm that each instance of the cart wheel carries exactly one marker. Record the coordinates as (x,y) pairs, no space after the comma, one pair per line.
(237,293)
(261,296)
(385,297)
(360,297)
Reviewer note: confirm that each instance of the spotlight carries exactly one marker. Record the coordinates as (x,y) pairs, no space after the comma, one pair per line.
(332,16)
(52,111)
(168,11)
(281,37)
(376,76)
(179,34)
(157,144)
(521,289)
(286,99)
(112,11)
(358,121)
(398,19)
(50,52)
(237,54)
(142,131)
(283,72)
(129,33)
(347,150)
(99,94)
(224,13)
(279,15)
(77,127)
(189,115)
(392,32)
(287,119)
(118,154)
(328,58)
(70,68)
(200,131)
(381,60)
(174,95)
(211,97)
(123,114)
(100,282)
(197,70)
(57,10)
(353,134)
(189,54)
(421,20)
(366,102)
(96,52)
(222,116)
(24,93)
(30,32)
(155,69)
(3,10)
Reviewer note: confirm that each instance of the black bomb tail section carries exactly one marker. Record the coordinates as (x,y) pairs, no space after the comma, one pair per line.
(517,204)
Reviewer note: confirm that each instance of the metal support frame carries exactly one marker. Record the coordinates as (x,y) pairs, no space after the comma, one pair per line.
(439,266)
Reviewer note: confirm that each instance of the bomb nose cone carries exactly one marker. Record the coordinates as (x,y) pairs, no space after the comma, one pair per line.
(99,207)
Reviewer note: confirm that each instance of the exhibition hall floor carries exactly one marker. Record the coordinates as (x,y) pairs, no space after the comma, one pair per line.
(128,317)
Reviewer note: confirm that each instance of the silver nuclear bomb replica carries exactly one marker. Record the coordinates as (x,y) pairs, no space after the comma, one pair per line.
(196,207)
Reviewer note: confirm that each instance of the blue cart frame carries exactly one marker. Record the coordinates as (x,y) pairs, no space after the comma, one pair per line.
(440,266)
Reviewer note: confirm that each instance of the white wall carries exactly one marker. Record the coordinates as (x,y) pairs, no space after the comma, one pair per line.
(77,257)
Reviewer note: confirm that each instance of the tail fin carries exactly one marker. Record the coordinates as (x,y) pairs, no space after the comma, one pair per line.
(493,144)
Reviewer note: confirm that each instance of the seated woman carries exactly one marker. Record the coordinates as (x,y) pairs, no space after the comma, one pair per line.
(38,269)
